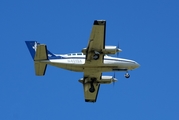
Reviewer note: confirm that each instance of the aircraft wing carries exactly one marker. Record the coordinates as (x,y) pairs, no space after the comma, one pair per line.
(91,96)
(96,41)
(96,44)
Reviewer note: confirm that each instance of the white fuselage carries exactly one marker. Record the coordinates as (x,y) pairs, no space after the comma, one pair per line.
(76,63)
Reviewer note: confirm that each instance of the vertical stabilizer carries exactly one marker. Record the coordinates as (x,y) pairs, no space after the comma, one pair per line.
(32,46)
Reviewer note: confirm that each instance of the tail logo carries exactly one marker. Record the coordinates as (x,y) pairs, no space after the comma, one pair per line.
(35,46)
(49,55)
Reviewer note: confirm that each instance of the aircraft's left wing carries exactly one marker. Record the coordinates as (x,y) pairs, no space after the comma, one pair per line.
(87,82)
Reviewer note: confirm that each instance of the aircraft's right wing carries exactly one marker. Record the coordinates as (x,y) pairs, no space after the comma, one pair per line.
(96,42)
(95,46)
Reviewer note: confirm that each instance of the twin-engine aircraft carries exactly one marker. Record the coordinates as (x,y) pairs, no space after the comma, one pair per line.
(92,61)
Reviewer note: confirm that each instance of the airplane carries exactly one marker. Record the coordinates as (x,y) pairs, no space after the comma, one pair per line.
(92,61)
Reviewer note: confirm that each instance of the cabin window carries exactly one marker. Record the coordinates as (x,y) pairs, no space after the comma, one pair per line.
(79,53)
(74,54)
(69,54)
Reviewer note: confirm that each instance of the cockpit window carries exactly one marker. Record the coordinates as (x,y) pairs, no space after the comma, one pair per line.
(69,54)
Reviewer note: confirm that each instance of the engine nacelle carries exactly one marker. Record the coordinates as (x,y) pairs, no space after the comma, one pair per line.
(104,80)
(111,50)
(107,50)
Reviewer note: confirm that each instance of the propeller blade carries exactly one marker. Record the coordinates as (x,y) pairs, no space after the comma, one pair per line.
(118,45)
(117,54)
(114,76)
(118,48)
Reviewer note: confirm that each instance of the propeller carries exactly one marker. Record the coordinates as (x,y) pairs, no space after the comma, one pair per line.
(114,75)
(118,48)
(114,78)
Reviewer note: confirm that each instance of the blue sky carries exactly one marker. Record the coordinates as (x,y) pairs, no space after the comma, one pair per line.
(147,31)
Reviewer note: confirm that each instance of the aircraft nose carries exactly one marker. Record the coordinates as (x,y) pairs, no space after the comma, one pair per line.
(137,65)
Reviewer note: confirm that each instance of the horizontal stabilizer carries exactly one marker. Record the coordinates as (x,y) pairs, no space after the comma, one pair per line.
(40,68)
(41,53)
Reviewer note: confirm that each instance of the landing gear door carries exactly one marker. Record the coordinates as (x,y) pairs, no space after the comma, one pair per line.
(91,94)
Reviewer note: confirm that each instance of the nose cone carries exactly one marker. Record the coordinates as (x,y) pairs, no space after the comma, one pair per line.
(136,65)
(119,50)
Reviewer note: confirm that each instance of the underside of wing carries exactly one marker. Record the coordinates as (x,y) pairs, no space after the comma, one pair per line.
(91,86)
(97,37)
(91,96)
(96,42)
